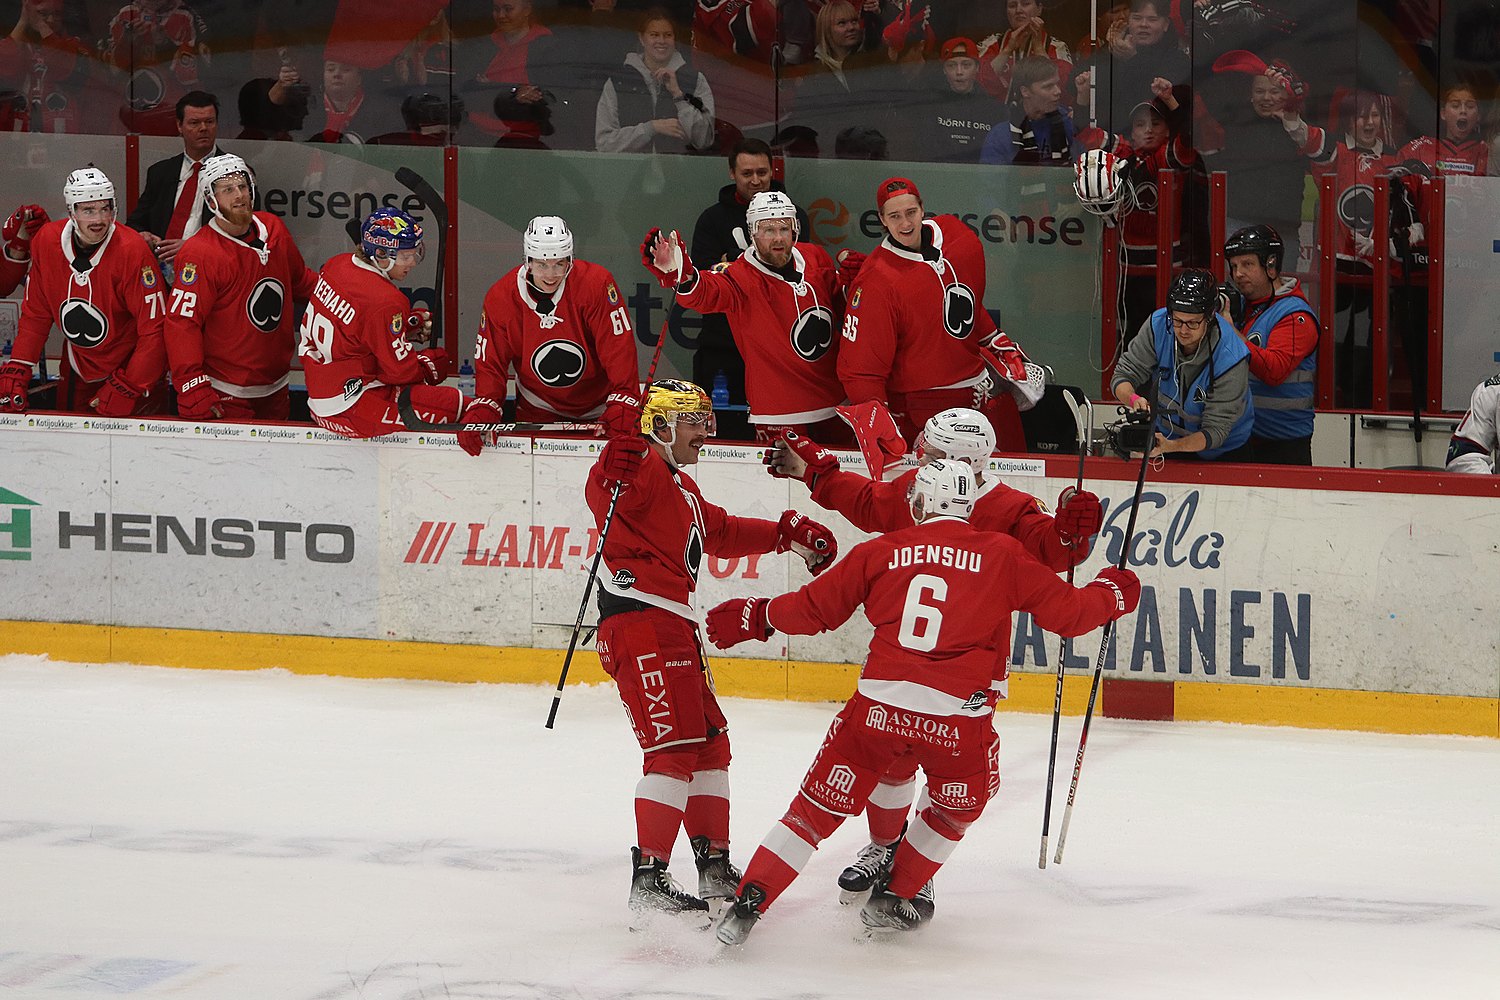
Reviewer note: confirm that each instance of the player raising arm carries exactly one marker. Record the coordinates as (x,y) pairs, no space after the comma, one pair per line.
(923,690)
(15,245)
(661,529)
(354,350)
(100,284)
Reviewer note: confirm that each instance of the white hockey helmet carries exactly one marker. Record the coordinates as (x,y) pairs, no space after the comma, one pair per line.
(959,433)
(87,184)
(215,169)
(547,238)
(944,488)
(1100,183)
(769,205)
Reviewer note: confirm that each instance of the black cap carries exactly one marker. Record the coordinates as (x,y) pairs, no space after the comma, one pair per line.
(1263,241)
(1193,291)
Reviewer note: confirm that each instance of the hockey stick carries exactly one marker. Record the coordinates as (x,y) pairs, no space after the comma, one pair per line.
(1104,643)
(609,516)
(418,185)
(413,421)
(1085,441)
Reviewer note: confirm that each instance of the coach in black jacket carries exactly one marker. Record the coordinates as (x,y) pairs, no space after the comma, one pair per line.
(198,124)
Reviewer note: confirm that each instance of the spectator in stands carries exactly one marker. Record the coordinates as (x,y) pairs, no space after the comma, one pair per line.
(346,111)
(655,102)
(160,46)
(170,208)
(1142,46)
(512,76)
(1039,130)
(953,113)
(1203,375)
(846,84)
(1218,26)
(1027,35)
(720,236)
(274,108)
(49,68)
(430,120)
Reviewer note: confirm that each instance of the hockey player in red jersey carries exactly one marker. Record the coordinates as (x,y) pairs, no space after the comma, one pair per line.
(100,284)
(924,690)
(782,299)
(1059,541)
(661,530)
(15,245)
(230,328)
(563,327)
(355,355)
(916,325)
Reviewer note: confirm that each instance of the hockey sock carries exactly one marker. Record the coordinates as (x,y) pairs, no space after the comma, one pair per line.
(777,862)
(660,800)
(929,843)
(708,808)
(887,810)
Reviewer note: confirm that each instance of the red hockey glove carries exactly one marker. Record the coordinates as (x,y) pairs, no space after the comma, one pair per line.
(622,416)
(794,450)
(850,261)
(439,366)
(20,228)
(1078,516)
(814,543)
(895,33)
(739,620)
(479,411)
(15,379)
(419,326)
(664,257)
(1125,587)
(116,397)
(197,400)
(621,461)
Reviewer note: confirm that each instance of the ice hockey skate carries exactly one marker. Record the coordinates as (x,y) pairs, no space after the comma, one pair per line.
(718,878)
(654,892)
(872,865)
(886,913)
(739,918)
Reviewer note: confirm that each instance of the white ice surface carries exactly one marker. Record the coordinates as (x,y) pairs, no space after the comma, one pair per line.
(248,836)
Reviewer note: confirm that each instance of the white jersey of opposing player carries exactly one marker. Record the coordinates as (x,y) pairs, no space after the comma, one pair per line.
(1474,439)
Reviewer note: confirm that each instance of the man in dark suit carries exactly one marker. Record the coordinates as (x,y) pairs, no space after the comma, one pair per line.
(170,208)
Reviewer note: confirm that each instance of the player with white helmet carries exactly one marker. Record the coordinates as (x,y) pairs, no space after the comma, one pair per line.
(783,301)
(1474,443)
(924,695)
(99,283)
(560,326)
(230,330)
(659,532)
(1057,541)
(361,368)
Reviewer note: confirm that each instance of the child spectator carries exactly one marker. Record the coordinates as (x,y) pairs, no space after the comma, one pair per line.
(1039,129)
(953,113)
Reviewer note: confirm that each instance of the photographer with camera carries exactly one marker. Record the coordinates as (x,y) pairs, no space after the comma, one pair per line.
(1202,369)
(1280,330)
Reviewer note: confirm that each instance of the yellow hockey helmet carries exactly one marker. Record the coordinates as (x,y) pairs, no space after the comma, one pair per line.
(673,399)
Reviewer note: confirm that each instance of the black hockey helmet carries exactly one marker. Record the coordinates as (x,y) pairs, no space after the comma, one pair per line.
(1193,291)
(1263,241)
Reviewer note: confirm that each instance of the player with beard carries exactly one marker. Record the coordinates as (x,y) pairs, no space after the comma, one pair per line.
(230,330)
(660,530)
(916,331)
(100,284)
(561,324)
(355,355)
(782,299)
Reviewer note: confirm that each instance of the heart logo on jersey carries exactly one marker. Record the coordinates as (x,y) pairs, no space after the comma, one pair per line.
(82,323)
(958,310)
(558,363)
(812,334)
(264,305)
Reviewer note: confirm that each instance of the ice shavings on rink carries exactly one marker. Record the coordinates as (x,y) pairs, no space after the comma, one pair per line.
(247,836)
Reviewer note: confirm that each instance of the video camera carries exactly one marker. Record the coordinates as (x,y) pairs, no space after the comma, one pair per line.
(1132,434)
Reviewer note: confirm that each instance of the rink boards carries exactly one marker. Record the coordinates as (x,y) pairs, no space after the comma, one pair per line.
(1329,598)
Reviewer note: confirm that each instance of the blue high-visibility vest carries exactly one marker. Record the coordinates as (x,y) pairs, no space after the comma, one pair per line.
(1283,412)
(1182,406)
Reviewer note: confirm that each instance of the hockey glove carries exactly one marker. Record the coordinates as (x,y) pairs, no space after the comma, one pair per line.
(436,364)
(621,461)
(850,261)
(479,411)
(797,457)
(665,259)
(117,397)
(622,416)
(895,33)
(419,326)
(1079,516)
(807,538)
(739,620)
(1125,587)
(20,228)
(198,400)
(15,379)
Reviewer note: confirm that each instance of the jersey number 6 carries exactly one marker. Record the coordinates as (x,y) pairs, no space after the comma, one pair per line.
(921,623)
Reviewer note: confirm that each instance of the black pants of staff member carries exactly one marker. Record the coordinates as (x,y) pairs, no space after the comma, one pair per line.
(1274,451)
